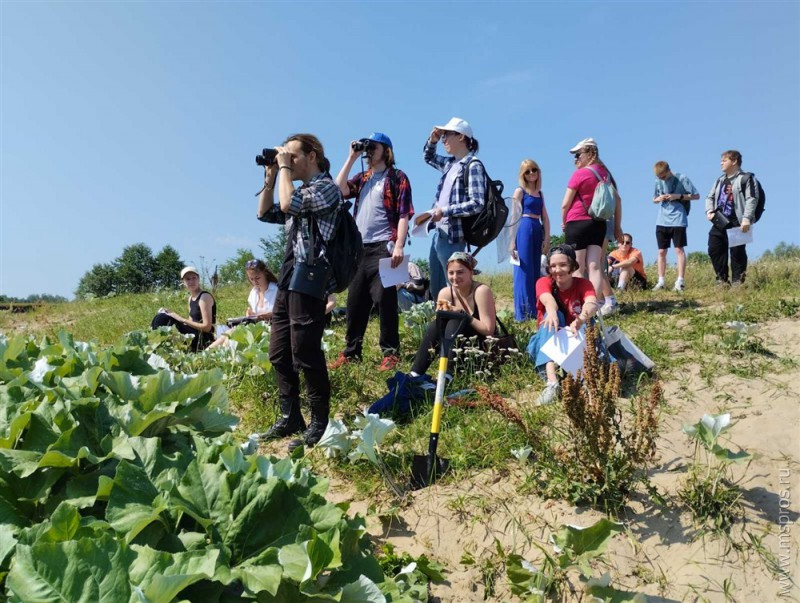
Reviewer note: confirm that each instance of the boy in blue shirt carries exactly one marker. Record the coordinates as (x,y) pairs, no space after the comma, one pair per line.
(673,192)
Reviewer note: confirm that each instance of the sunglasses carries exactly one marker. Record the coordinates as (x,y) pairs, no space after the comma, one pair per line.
(532,171)
(577,155)
(251,264)
(626,242)
(448,133)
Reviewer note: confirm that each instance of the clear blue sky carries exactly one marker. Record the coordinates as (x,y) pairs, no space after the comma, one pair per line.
(127,122)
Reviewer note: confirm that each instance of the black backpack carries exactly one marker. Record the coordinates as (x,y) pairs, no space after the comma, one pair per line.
(758,193)
(345,249)
(483,228)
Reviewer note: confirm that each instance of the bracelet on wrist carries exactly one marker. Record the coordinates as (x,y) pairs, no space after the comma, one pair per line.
(286,167)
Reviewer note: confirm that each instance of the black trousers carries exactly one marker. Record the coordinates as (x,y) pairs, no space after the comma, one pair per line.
(431,340)
(200,341)
(366,289)
(718,252)
(295,345)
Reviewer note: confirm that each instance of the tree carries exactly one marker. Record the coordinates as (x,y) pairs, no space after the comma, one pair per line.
(167,274)
(274,249)
(135,268)
(233,271)
(97,282)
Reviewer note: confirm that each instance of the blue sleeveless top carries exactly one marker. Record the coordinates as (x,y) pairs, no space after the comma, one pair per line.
(532,205)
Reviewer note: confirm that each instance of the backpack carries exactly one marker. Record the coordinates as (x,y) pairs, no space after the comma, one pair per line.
(758,193)
(345,249)
(483,228)
(604,200)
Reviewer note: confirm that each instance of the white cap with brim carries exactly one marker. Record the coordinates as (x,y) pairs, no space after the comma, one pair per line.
(189,269)
(586,142)
(459,125)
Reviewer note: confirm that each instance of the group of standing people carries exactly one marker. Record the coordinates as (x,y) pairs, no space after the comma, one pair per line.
(383,212)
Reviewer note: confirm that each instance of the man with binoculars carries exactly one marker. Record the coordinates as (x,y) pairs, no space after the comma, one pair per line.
(298,320)
(382,211)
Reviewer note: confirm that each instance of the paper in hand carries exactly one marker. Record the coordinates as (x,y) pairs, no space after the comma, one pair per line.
(737,238)
(391,277)
(566,350)
(421,223)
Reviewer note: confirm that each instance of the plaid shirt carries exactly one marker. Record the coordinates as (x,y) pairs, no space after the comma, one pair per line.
(396,183)
(320,197)
(463,202)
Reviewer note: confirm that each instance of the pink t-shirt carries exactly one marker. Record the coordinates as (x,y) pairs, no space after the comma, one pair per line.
(583,182)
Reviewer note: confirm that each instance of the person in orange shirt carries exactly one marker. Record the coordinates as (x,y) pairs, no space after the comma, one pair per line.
(627,261)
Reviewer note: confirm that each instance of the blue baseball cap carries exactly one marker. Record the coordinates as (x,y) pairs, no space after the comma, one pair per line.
(381,138)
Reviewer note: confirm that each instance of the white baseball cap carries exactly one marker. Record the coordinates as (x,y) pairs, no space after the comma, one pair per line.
(189,269)
(456,124)
(586,142)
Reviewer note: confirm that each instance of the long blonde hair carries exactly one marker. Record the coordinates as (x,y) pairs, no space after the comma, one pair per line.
(524,167)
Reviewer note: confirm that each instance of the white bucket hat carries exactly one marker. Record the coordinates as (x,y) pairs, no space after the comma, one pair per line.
(456,124)
(586,142)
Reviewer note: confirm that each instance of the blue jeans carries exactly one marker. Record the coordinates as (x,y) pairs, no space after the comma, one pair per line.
(539,338)
(441,250)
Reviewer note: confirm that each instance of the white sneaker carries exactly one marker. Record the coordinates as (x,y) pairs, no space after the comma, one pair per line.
(609,308)
(549,394)
(679,286)
(659,285)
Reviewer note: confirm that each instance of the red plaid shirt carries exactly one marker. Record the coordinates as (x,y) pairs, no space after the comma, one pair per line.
(395,185)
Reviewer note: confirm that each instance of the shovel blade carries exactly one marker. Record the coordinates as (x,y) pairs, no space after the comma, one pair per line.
(425,470)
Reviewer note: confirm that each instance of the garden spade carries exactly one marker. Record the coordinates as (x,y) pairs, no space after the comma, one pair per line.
(426,468)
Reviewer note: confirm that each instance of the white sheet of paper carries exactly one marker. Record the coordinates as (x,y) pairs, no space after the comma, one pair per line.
(566,350)
(393,276)
(421,230)
(736,237)
(514,261)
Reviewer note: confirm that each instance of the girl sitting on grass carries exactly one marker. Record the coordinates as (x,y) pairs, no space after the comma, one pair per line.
(561,299)
(261,298)
(202,312)
(462,295)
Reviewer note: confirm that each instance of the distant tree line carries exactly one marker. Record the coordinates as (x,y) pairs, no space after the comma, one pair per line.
(137,270)
(32,299)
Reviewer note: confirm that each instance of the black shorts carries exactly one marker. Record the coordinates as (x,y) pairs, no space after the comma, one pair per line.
(582,233)
(675,234)
(638,281)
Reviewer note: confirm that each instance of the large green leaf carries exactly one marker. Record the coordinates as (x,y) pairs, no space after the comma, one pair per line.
(89,570)
(7,542)
(64,523)
(134,502)
(162,576)
(363,590)
(584,543)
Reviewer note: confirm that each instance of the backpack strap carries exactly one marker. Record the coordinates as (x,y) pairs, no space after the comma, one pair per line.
(596,175)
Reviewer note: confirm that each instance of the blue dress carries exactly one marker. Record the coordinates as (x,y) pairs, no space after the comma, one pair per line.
(529,250)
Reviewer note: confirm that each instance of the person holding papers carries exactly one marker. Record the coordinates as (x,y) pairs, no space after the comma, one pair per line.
(562,300)
(382,210)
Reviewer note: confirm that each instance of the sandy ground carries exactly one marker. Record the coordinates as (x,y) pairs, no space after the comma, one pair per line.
(660,554)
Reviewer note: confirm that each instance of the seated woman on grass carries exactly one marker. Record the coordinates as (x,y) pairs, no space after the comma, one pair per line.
(202,312)
(462,295)
(262,295)
(561,300)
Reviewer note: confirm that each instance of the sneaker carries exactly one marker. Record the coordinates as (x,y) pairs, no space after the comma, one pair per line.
(659,285)
(679,286)
(721,283)
(388,364)
(549,394)
(609,308)
(340,361)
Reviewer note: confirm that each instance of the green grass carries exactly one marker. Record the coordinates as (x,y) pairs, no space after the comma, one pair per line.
(677,330)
